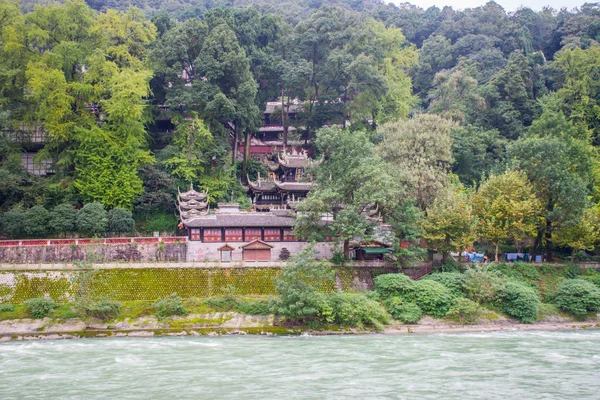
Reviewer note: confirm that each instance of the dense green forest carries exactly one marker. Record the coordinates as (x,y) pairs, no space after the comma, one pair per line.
(475,126)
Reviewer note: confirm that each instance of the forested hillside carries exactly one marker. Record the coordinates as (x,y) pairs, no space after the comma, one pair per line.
(474,126)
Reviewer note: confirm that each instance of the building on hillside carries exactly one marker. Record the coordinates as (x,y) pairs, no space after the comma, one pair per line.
(287,184)
(228,234)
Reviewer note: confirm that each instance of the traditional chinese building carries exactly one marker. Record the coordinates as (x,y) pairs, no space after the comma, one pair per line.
(288,183)
(228,234)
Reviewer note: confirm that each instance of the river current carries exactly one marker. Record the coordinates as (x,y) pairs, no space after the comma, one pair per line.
(514,365)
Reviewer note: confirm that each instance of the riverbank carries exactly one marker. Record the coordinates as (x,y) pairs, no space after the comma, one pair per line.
(231,323)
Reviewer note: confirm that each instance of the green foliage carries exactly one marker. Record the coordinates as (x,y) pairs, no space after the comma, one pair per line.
(450,222)
(482,285)
(465,311)
(104,309)
(120,220)
(407,312)
(519,270)
(348,158)
(353,309)
(12,222)
(432,297)
(36,221)
(577,296)
(298,285)
(243,305)
(169,306)
(389,285)
(419,150)
(454,281)
(92,219)
(519,301)
(40,307)
(506,209)
(7,307)
(63,218)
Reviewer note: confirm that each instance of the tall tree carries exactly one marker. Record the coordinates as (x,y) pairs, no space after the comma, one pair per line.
(353,183)
(420,151)
(450,224)
(561,166)
(506,209)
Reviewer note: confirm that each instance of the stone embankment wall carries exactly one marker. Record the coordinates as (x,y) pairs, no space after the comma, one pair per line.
(152,283)
(97,250)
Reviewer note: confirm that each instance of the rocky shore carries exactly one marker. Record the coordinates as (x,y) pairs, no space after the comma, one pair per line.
(235,323)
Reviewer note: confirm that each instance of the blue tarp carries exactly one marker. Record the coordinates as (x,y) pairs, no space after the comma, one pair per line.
(475,257)
(516,256)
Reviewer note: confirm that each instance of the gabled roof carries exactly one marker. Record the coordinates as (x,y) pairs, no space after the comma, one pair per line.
(226,247)
(256,244)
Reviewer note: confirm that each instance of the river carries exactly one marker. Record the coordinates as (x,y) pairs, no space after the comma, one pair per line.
(513,365)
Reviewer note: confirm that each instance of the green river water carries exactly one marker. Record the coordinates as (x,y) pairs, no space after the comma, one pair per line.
(513,365)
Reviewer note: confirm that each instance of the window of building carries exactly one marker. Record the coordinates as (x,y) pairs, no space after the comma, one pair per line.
(272,235)
(212,235)
(195,234)
(252,234)
(288,236)
(233,234)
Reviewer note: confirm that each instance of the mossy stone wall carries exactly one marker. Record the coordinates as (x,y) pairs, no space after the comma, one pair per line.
(152,283)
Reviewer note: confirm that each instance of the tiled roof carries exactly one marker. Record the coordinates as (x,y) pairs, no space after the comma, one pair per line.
(295,186)
(242,219)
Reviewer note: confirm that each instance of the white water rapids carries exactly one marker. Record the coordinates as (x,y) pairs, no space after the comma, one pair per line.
(515,365)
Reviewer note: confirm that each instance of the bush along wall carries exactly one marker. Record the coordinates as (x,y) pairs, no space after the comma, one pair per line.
(151,283)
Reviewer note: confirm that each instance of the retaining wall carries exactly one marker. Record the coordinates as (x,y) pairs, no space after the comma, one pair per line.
(116,249)
(152,283)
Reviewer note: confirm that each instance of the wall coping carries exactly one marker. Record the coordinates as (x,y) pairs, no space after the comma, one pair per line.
(92,241)
(42,267)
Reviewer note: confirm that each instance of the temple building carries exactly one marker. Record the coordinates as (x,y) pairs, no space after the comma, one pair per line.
(228,234)
(287,184)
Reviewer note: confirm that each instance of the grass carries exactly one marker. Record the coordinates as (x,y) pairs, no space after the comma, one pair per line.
(141,308)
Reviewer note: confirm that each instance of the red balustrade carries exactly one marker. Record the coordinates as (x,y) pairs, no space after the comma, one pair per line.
(63,241)
(90,241)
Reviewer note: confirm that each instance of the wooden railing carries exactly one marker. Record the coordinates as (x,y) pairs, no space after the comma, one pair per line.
(417,274)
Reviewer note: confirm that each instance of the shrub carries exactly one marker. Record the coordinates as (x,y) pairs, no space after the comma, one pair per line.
(255,306)
(352,309)
(526,271)
(169,306)
(36,221)
(63,218)
(12,222)
(7,307)
(407,312)
(519,301)
(577,296)
(432,297)
(244,306)
(40,307)
(481,285)
(518,270)
(572,271)
(298,285)
(388,285)
(92,219)
(104,309)
(120,220)
(465,311)
(592,276)
(452,280)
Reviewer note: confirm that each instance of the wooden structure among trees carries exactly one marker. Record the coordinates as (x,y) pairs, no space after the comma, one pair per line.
(287,184)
